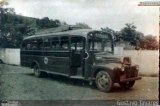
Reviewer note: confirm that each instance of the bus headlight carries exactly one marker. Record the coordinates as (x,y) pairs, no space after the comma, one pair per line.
(122,68)
(137,67)
(127,61)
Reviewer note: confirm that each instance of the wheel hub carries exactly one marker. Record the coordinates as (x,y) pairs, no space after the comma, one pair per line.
(103,80)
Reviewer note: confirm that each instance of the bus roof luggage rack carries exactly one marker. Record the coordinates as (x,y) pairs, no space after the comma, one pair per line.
(58,29)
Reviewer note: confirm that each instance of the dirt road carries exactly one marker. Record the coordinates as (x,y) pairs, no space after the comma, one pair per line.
(19,83)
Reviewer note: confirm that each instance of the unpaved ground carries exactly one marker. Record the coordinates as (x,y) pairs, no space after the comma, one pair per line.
(18,83)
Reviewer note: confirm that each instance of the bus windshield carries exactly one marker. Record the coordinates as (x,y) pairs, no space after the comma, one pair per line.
(100,44)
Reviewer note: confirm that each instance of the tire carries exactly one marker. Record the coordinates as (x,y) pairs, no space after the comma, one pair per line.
(104,81)
(37,72)
(127,85)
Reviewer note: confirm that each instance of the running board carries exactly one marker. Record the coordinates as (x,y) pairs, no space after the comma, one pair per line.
(77,77)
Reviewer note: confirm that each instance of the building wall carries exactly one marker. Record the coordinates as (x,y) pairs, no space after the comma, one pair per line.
(10,56)
(148,60)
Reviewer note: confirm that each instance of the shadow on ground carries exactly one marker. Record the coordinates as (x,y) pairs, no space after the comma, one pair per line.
(76,82)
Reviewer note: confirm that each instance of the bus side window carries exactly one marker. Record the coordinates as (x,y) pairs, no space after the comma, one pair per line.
(23,45)
(34,44)
(39,44)
(64,43)
(47,45)
(28,46)
(55,43)
(77,43)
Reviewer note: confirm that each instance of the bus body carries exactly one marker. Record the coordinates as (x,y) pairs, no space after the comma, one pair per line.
(84,54)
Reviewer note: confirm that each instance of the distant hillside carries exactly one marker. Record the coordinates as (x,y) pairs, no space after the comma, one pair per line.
(18,19)
(46,25)
(15,27)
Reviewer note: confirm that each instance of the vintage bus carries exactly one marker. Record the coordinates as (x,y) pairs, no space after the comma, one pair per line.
(83,53)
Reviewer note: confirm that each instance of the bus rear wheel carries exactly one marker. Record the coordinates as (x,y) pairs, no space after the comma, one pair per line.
(37,71)
(104,81)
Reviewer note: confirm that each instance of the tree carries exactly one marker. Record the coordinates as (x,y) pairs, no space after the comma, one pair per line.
(3,11)
(13,27)
(108,30)
(45,23)
(149,42)
(115,34)
(129,34)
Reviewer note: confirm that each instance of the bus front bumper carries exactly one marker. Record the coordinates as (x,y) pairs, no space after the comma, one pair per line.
(130,79)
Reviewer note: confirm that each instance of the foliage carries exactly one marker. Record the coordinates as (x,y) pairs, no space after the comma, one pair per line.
(115,34)
(129,34)
(4,41)
(13,27)
(47,23)
(149,42)
(133,37)
(108,30)
(80,26)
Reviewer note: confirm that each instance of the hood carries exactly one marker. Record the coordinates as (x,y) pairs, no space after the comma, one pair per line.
(107,60)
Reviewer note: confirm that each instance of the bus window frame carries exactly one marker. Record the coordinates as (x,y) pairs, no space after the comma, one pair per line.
(83,42)
(57,48)
(60,46)
(44,38)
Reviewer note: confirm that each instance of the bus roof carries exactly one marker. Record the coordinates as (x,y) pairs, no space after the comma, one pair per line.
(78,32)
(82,32)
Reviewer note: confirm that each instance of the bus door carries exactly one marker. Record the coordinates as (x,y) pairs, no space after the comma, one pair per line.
(77,56)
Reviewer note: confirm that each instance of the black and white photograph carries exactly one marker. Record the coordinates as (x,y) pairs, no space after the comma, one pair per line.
(79,52)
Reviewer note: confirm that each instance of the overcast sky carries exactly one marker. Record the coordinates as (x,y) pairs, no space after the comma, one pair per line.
(95,13)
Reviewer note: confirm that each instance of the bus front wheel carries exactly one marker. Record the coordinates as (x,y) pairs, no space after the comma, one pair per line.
(104,81)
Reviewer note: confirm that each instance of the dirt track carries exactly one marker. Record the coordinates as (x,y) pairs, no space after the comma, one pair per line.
(18,83)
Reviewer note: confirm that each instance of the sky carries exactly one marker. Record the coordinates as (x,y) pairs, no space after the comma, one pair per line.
(96,13)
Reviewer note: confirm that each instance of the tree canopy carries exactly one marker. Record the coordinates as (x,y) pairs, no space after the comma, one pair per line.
(133,37)
(14,27)
(149,42)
